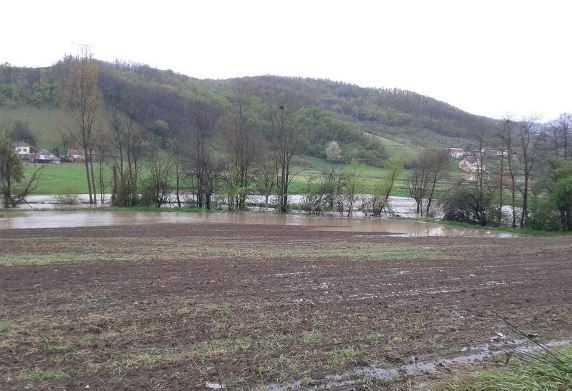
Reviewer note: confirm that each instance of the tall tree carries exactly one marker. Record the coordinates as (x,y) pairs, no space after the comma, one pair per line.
(156,186)
(240,142)
(11,171)
(529,149)
(264,176)
(561,190)
(437,163)
(285,143)
(352,176)
(560,130)
(204,120)
(128,147)
(507,135)
(13,188)
(81,99)
(417,184)
(430,168)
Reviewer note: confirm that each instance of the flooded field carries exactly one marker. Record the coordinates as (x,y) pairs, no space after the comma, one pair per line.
(266,305)
(396,227)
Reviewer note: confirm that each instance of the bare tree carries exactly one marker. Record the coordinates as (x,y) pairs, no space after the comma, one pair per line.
(102,148)
(156,188)
(437,162)
(560,130)
(332,184)
(417,184)
(507,136)
(326,193)
(529,149)
(264,177)
(353,180)
(128,145)
(383,189)
(285,143)
(204,168)
(430,168)
(81,99)
(240,142)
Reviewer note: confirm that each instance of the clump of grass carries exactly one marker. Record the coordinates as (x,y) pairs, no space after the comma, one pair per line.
(374,337)
(5,327)
(221,348)
(312,336)
(279,369)
(547,371)
(150,358)
(343,356)
(55,345)
(36,375)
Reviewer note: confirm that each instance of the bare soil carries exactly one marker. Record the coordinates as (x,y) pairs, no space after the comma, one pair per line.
(177,306)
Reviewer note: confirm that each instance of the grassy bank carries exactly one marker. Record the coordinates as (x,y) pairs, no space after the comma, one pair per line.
(526,231)
(542,373)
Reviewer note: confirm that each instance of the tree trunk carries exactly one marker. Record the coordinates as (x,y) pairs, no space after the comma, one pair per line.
(524,201)
(86,161)
(501,185)
(92,178)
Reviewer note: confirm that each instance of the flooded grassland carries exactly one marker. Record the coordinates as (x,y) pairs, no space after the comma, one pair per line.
(189,304)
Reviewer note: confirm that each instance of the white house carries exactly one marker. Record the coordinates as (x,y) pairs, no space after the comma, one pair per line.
(470,167)
(456,153)
(24,150)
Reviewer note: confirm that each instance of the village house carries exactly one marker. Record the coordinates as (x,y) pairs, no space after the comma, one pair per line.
(24,150)
(470,165)
(45,157)
(456,153)
(76,155)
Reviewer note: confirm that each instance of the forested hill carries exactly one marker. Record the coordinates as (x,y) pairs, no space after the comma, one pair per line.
(361,120)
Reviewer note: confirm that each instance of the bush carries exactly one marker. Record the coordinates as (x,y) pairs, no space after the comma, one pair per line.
(467,203)
(543,216)
(67,199)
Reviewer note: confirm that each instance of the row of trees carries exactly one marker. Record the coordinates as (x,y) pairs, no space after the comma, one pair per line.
(520,165)
(242,154)
(347,190)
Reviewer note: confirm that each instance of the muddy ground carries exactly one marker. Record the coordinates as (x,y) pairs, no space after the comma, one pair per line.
(171,307)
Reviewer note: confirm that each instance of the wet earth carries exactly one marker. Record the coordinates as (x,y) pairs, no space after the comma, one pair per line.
(196,305)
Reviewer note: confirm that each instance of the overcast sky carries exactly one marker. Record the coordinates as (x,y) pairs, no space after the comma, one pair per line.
(485,57)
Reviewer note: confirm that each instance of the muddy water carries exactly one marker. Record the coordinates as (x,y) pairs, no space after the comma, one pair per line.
(362,226)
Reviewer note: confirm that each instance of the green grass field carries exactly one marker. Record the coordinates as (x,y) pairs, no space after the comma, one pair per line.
(309,168)
(69,178)
(65,178)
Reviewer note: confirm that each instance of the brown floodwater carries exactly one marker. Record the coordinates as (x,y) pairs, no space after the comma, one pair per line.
(397,227)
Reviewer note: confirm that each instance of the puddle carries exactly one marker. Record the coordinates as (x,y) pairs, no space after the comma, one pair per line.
(417,367)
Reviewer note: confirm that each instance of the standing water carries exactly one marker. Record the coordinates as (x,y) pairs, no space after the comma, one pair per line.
(398,227)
